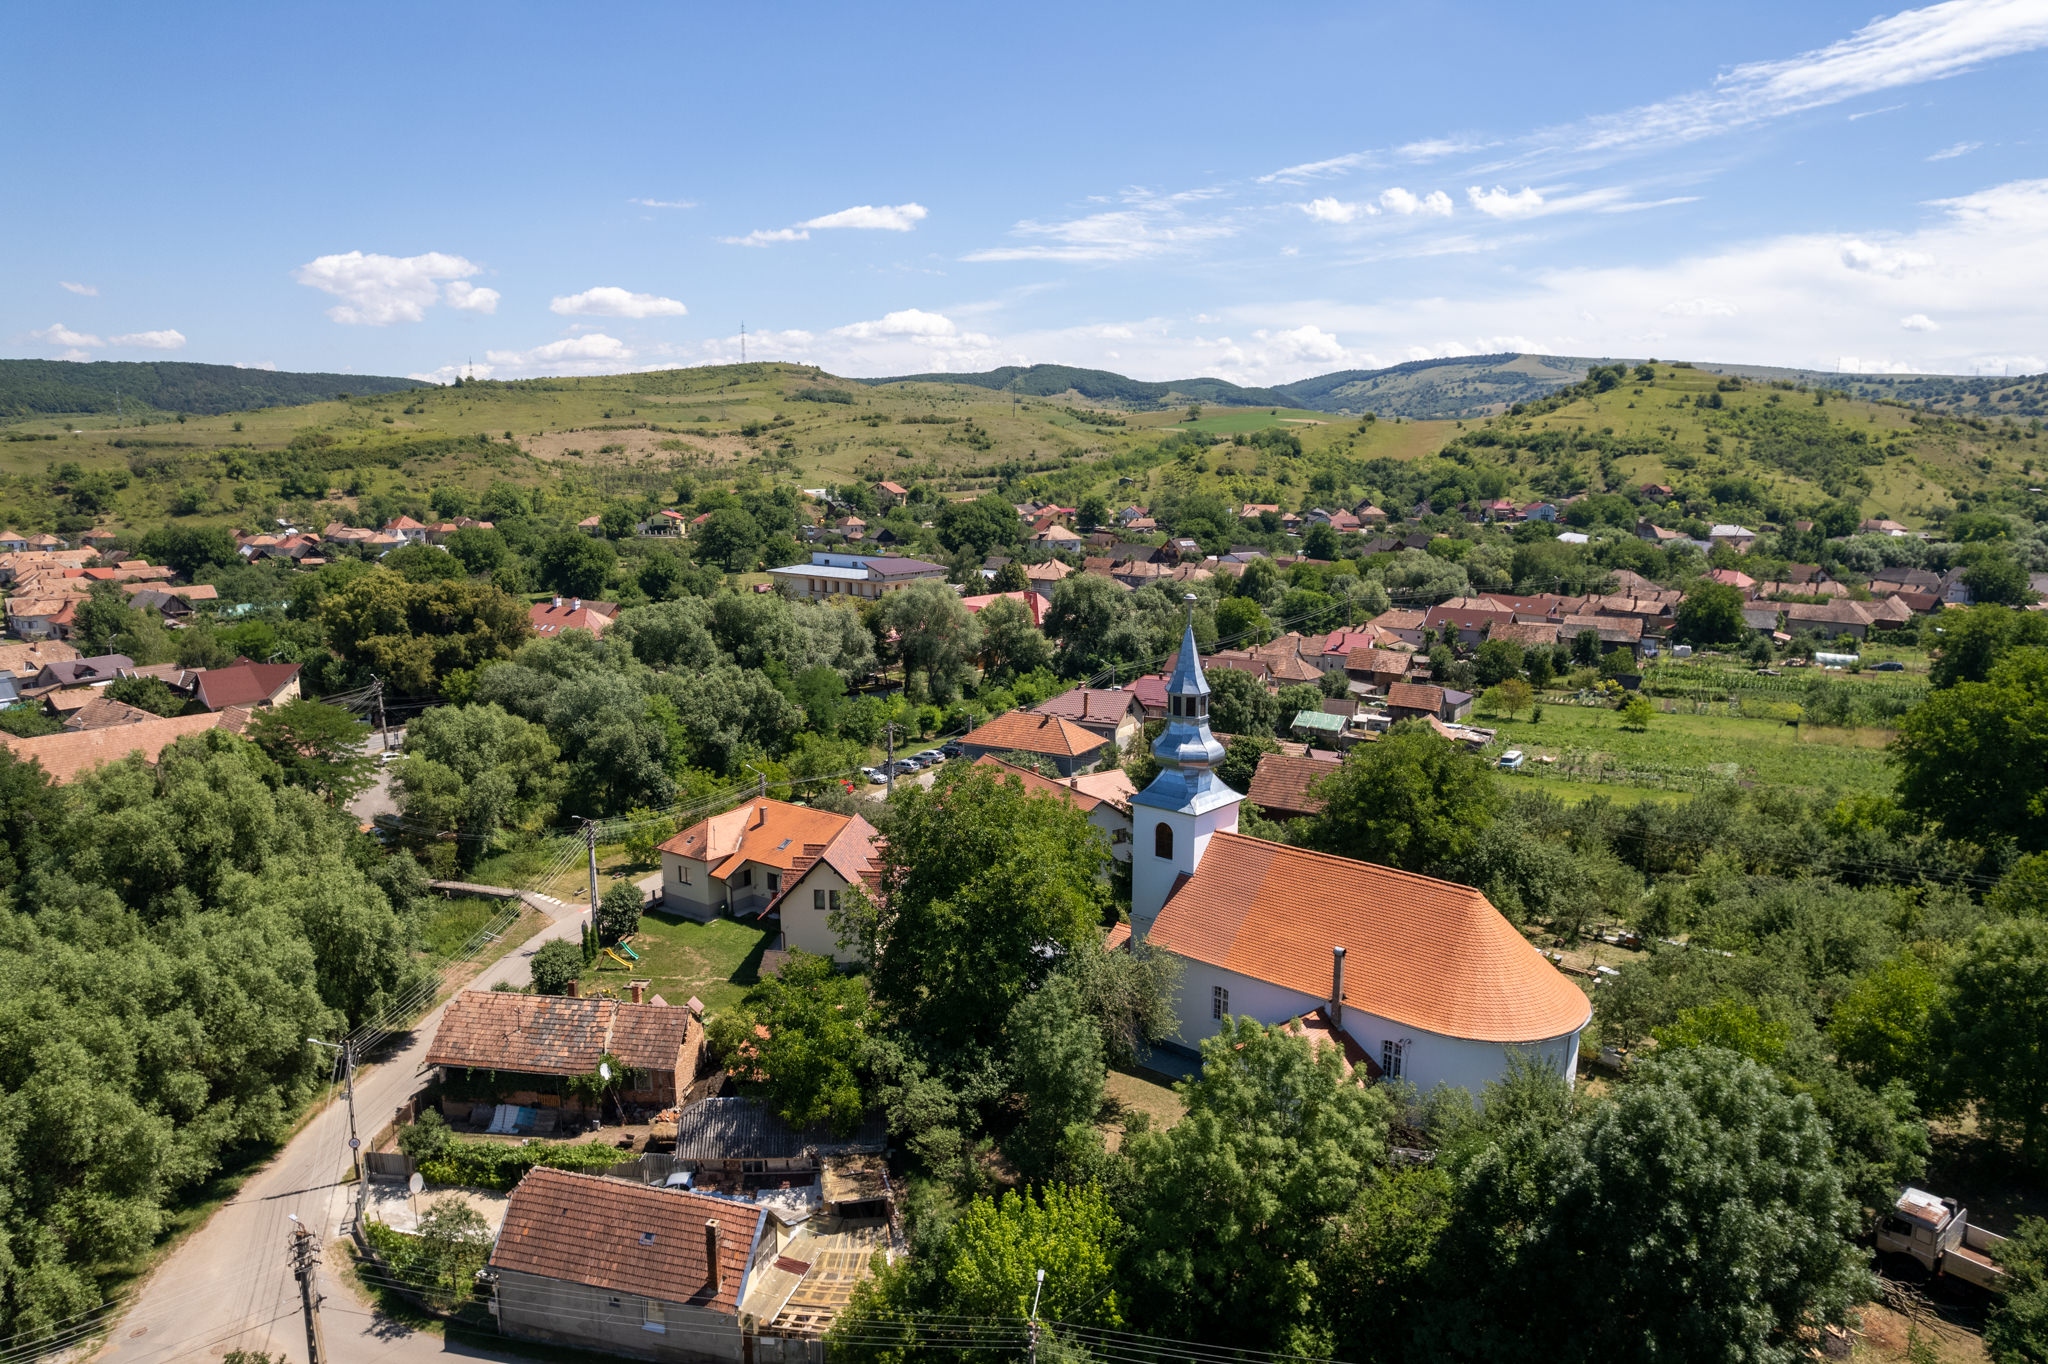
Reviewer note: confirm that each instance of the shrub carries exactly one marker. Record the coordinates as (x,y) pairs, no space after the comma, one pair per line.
(555,965)
(486,1165)
(618,914)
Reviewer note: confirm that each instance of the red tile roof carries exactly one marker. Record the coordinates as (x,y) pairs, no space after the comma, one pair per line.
(245,684)
(1100,704)
(1423,952)
(1378,661)
(776,834)
(66,757)
(1281,783)
(1041,785)
(1415,696)
(1023,732)
(569,613)
(627,1238)
(555,1034)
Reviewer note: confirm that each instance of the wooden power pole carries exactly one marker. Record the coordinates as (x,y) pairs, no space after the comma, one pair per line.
(306,1259)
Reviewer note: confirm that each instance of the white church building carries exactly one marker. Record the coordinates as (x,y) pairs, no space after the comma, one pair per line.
(1424,979)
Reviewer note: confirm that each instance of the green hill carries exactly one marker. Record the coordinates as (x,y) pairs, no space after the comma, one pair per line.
(29,387)
(1102,386)
(1434,390)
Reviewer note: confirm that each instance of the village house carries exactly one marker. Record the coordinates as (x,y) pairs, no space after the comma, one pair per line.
(1104,797)
(1280,786)
(253,685)
(69,756)
(1403,624)
(832,573)
(1415,701)
(1033,602)
(533,1051)
(1443,989)
(1066,745)
(405,528)
(1471,617)
(1108,713)
(769,856)
(550,618)
(1377,669)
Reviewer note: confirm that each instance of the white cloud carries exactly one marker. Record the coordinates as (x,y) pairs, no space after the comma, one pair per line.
(610,301)
(1919,322)
(1876,259)
(1904,49)
(377,290)
(166,339)
(591,353)
(1498,203)
(57,334)
(868,217)
(1873,113)
(1951,153)
(1118,235)
(89,291)
(862,217)
(907,322)
(470,298)
(1317,170)
(1406,203)
(1431,148)
(1334,210)
(664,203)
(1699,307)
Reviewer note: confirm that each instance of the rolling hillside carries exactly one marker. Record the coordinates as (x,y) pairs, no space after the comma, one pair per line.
(1100,385)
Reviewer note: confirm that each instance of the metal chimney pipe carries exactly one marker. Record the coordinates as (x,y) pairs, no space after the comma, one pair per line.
(1336,987)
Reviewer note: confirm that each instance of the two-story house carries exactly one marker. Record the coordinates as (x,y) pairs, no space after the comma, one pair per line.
(836,574)
(769,857)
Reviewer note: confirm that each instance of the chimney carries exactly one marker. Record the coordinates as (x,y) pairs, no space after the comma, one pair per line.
(572,989)
(576,604)
(711,1256)
(1336,987)
(639,991)
(558,603)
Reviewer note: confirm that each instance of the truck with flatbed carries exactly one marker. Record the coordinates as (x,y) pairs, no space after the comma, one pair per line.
(1937,1235)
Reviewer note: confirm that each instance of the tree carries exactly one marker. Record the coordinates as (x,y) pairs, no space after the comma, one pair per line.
(1510,697)
(1059,1071)
(1998,577)
(2017,1332)
(980,880)
(812,1062)
(1091,512)
(1241,623)
(1710,613)
(555,965)
(454,1242)
(1234,1205)
(1973,641)
(191,549)
(617,521)
(618,913)
(424,564)
(936,635)
(1637,712)
(1992,1029)
(1010,643)
(575,564)
(1320,541)
(1882,1026)
(152,694)
(1696,1216)
(475,770)
(1010,577)
(1497,661)
(1091,622)
(982,526)
(731,539)
(661,576)
(317,746)
(1586,648)
(1240,704)
(1731,1024)
(1974,756)
(415,634)
(481,552)
(1413,800)
(1296,698)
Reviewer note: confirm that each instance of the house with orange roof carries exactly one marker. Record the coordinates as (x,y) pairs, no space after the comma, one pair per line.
(69,756)
(1065,744)
(1106,712)
(1032,602)
(1104,797)
(769,857)
(405,528)
(550,618)
(1424,978)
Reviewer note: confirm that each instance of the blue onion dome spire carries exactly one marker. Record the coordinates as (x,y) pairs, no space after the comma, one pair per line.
(1187,743)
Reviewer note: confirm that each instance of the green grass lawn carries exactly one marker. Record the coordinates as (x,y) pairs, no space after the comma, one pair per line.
(716,962)
(450,923)
(1682,748)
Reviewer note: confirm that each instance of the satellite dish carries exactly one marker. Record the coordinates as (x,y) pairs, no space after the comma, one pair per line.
(416,1183)
(604,1071)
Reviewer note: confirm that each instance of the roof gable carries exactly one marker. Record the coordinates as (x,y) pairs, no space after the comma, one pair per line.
(1026,732)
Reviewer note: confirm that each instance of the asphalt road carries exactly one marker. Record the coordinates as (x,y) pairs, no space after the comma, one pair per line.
(229,1286)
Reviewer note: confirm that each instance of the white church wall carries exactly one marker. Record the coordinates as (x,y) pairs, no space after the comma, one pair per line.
(1429,1060)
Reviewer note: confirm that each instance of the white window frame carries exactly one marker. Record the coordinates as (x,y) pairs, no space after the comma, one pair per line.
(655,1317)
(1219,1001)
(1393,1058)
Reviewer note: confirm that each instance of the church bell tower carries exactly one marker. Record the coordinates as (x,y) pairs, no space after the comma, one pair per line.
(1173,819)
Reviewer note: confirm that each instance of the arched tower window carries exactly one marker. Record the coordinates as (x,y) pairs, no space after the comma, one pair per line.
(1162,840)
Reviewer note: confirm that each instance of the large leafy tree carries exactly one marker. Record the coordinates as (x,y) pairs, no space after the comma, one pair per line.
(1010,643)
(1414,800)
(1974,757)
(1234,1205)
(937,637)
(574,564)
(801,1035)
(1993,1029)
(981,526)
(1973,641)
(414,635)
(1093,623)
(476,770)
(316,746)
(1711,613)
(1697,1216)
(731,539)
(983,885)
(1239,703)
(1059,1069)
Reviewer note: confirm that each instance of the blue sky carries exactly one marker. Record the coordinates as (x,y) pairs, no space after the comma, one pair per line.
(1256,192)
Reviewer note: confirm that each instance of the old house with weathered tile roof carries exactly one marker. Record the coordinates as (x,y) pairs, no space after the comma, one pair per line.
(536,1042)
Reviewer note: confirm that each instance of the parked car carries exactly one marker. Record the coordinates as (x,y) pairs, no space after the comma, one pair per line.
(953,749)
(874,775)
(1890,665)
(1512,760)
(931,757)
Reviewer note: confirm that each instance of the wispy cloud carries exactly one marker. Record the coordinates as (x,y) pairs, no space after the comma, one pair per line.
(664,203)
(76,345)
(1318,170)
(167,339)
(1152,225)
(1873,113)
(1919,322)
(1406,203)
(861,217)
(1951,153)
(87,290)
(610,301)
(378,290)
(1435,148)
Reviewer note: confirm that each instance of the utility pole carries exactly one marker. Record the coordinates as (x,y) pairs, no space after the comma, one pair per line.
(889,768)
(1034,1315)
(348,1094)
(590,841)
(306,1259)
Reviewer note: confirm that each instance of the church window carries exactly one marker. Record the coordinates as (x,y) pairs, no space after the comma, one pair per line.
(1393,1055)
(1219,1002)
(1162,840)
